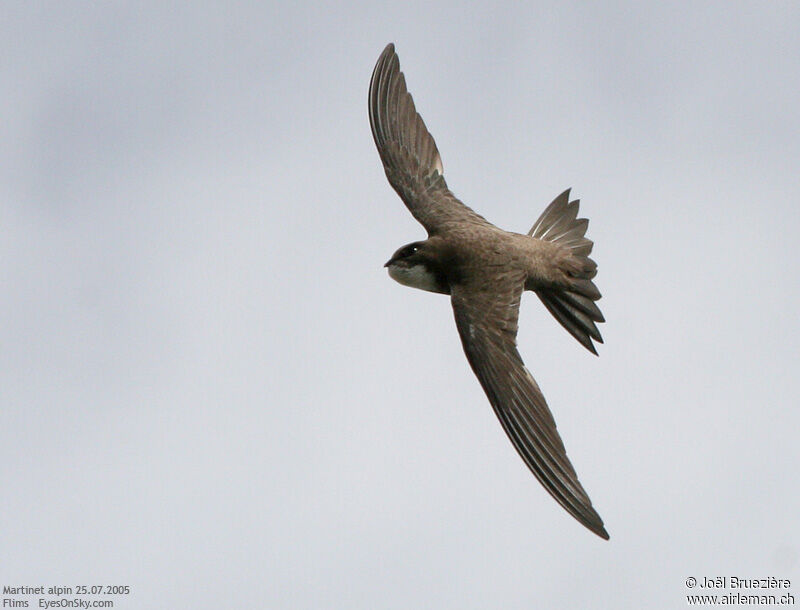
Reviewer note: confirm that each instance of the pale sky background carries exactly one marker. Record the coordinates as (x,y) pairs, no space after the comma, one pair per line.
(211,391)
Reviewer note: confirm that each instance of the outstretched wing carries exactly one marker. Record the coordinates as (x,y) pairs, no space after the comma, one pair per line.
(486,315)
(409,154)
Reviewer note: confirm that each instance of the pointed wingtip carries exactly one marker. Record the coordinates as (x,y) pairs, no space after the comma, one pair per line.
(596,525)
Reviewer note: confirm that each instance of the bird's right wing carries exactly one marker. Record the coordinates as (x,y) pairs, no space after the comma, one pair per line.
(486,316)
(409,154)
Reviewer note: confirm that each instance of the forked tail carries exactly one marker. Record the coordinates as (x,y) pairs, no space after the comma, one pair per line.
(574,307)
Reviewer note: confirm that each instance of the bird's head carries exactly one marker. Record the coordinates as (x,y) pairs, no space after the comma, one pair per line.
(416,265)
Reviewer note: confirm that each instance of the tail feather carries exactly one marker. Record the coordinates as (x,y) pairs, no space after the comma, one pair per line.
(572,234)
(560,222)
(574,306)
(584,304)
(577,323)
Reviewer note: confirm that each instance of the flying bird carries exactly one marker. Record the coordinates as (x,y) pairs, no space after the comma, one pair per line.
(485,269)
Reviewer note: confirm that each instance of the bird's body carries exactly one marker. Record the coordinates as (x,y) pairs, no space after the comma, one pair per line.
(485,269)
(460,251)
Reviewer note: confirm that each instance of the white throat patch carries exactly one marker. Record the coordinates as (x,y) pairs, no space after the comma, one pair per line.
(416,277)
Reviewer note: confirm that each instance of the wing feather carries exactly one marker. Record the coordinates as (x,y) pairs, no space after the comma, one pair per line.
(486,316)
(408,151)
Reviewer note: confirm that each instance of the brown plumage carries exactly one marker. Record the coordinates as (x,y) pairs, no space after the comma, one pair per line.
(485,270)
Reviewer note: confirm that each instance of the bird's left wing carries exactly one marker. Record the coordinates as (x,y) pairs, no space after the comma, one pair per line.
(486,312)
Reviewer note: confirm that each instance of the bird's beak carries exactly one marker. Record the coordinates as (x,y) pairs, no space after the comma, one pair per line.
(389,262)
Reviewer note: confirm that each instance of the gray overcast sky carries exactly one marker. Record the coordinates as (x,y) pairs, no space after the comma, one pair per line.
(211,391)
